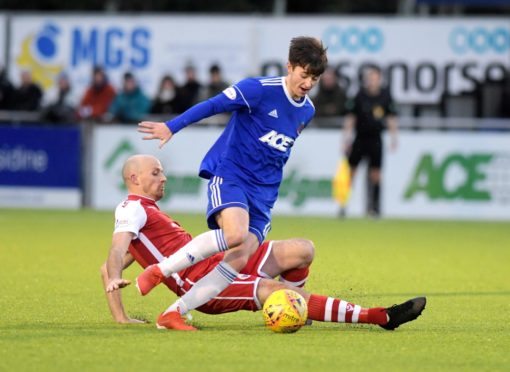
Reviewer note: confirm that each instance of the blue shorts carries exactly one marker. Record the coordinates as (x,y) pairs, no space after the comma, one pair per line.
(223,194)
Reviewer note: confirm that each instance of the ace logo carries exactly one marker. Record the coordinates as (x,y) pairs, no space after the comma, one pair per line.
(457,176)
(277,141)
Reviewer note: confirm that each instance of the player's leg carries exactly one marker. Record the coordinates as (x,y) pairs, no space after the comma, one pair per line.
(229,202)
(330,309)
(209,286)
(226,271)
(234,259)
(290,259)
(252,235)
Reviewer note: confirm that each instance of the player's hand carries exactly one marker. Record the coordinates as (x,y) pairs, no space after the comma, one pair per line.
(155,130)
(115,284)
(132,321)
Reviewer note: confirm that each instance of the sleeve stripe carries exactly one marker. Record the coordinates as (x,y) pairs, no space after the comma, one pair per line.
(244,99)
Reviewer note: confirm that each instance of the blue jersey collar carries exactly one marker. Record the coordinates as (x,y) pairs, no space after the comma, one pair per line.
(291,100)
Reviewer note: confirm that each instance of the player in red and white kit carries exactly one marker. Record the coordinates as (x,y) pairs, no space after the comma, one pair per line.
(145,234)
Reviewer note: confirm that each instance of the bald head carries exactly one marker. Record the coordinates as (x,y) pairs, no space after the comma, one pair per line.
(143,175)
(134,164)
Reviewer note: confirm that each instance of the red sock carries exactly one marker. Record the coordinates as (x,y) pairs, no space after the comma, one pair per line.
(295,277)
(329,309)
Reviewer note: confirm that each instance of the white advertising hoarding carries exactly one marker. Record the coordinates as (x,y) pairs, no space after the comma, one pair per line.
(422,58)
(450,175)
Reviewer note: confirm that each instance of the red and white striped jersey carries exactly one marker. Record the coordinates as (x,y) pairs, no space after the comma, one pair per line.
(157,236)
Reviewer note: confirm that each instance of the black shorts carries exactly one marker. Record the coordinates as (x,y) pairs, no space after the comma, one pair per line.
(366,148)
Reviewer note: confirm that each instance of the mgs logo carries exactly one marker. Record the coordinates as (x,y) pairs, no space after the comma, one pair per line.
(479,177)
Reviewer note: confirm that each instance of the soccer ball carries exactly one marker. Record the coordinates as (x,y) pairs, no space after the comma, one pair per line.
(285,311)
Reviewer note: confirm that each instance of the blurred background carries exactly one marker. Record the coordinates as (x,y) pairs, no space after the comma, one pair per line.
(76,77)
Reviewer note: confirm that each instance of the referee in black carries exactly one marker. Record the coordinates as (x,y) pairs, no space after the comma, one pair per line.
(369,113)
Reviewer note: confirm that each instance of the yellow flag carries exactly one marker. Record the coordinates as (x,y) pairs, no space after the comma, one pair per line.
(341,186)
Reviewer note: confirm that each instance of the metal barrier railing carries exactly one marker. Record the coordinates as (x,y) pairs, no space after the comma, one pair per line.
(405,122)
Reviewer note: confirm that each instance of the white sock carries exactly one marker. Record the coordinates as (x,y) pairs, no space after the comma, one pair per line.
(178,306)
(206,288)
(199,248)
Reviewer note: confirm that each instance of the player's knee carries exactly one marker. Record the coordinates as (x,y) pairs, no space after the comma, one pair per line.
(307,251)
(235,238)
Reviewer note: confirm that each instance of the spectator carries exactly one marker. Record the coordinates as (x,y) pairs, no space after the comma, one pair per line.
(330,99)
(166,100)
(97,98)
(189,92)
(131,105)
(6,91)
(216,83)
(62,110)
(27,97)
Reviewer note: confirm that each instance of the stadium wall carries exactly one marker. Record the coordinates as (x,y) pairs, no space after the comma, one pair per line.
(450,175)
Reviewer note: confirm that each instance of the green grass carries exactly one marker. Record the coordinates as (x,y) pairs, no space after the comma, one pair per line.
(54,315)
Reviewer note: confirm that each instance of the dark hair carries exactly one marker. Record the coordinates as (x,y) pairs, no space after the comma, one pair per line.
(129,76)
(215,69)
(309,53)
(98,70)
(166,77)
(373,67)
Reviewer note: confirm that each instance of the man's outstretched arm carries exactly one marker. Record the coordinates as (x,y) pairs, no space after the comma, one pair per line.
(230,100)
(111,273)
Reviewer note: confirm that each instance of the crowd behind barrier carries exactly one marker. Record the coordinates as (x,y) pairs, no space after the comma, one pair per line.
(101,102)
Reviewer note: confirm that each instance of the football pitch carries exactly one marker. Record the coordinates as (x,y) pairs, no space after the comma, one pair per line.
(54,315)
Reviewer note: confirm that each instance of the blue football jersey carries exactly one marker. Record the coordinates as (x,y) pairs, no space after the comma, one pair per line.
(259,137)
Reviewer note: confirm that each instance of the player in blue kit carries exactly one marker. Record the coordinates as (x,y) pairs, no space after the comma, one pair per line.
(244,168)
